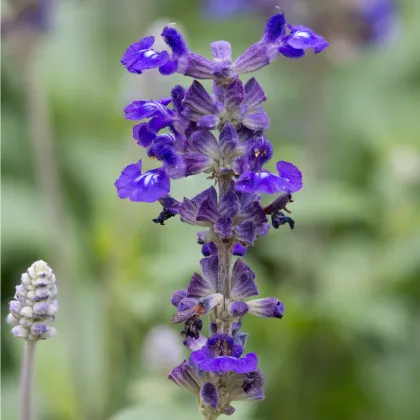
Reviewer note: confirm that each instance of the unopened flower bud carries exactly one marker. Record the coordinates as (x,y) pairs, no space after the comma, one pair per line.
(35,304)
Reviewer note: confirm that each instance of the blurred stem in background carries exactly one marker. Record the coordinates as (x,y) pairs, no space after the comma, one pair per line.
(48,180)
(315,140)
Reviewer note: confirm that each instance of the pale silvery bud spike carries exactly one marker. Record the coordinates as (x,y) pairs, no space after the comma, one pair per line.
(31,314)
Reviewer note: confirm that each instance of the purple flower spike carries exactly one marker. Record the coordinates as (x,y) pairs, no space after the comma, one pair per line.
(220,134)
(147,187)
(221,355)
(139,56)
(209,395)
(266,308)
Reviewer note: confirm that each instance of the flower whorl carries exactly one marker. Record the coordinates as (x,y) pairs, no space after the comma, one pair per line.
(35,304)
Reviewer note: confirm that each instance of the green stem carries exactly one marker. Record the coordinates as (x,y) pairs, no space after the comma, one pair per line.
(224,252)
(26,381)
(210,416)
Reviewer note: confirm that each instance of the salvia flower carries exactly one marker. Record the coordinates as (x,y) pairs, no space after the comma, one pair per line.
(221,134)
(35,304)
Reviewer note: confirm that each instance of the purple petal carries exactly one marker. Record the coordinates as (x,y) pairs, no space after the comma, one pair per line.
(196,66)
(209,395)
(165,101)
(235,94)
(195,344)
(204,142)
(177,96)
(304,38)
(229,203)
(199,100)
(224,227)
(251,387)
(208,211)
(177,296)
(254,94)
(266,308)
(209,249)
(139,110)
(260,151)
(189,208)
(228,140)
(246,198)
(254,58)
(290,175)
(170,67)
(185,377)
(176,168)
(187,303)
(218,91)
(199,287)
(243,281)
(143,136)
(175,41)
(139,56)
(211,301)
(256,120)
(238,308)
(196,163)
(160,121)
(246,232)
(275,29)
(163,151)
(222,51)
(260,182)
(209,268)
(291,52)
(241,338)
(239,250)
(224,364)
(147,187)
(208,122)
(203,236)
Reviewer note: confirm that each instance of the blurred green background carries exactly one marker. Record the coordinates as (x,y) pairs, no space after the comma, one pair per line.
(348,347)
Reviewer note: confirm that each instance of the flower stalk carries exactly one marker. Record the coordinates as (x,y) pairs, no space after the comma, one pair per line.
(27,378)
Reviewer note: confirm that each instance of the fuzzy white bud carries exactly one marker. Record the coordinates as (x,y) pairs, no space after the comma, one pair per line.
(35,304)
